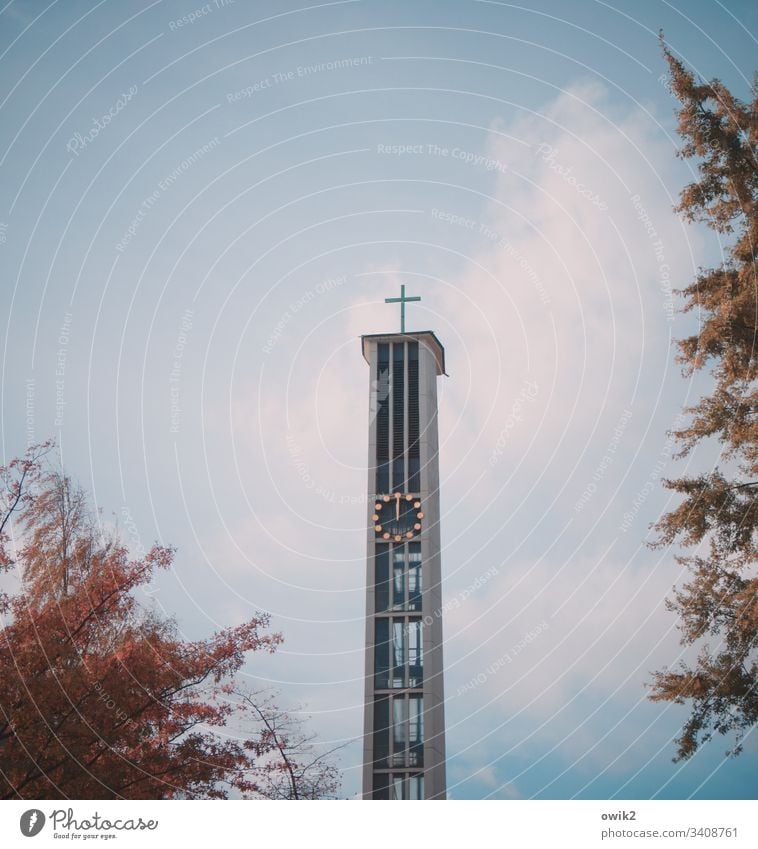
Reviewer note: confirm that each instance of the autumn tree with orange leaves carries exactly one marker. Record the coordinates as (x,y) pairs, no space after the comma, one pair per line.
(101,699)
(717,516)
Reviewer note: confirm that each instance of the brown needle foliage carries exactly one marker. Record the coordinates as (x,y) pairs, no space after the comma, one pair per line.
(718,511)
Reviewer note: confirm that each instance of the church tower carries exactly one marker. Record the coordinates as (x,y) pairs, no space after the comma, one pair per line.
(404,716)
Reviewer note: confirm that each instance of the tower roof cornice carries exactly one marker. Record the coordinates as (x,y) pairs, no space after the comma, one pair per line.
(426,337)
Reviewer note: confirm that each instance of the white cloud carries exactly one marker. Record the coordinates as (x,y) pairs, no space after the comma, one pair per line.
(558,288)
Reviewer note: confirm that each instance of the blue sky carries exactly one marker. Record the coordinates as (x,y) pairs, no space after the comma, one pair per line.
(204,206)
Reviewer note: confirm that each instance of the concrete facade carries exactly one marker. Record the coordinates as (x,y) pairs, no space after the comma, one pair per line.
(401,771)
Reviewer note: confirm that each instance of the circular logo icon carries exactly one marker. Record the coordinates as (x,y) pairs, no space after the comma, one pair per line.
(32,822)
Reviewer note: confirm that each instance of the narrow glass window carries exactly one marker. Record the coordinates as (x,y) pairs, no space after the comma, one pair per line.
(397,787)
(399,730)
(381,731)
(398,578)
(416,730)
(382,654)
(382,786)
(382,577)
(414,576)
(416,787)
(415,654)
(398,653)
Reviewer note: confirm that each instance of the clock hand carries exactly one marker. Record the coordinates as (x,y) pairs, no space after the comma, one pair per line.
(397,506)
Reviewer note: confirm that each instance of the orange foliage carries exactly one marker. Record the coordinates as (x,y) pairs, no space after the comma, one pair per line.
(98,698)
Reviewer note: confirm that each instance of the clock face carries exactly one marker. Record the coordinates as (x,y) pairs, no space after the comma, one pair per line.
(397,517)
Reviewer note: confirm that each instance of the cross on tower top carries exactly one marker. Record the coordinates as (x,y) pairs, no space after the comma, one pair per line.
(402,300)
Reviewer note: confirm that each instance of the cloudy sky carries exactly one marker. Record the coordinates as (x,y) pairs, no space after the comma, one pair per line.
(203,208)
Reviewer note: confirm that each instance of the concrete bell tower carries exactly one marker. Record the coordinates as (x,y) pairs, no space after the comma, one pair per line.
(404,716)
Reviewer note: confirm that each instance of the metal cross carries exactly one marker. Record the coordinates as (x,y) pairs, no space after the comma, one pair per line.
(402,300)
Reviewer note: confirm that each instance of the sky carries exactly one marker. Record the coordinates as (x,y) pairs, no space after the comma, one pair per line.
(203,207)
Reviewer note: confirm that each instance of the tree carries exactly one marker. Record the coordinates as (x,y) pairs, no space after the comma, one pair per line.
(717,516)
(100,698)
(17,481)
(61,536)
(291,767)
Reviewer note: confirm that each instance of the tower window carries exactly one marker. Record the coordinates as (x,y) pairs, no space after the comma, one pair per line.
(407,732)
(398,577)
(415,653)
(399,635)
(398,416)
(382,786)
(414,576)
(414,463)
(398,653)
(383,418)
(398,785)
(382,654)
(381,731)
(382,577)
